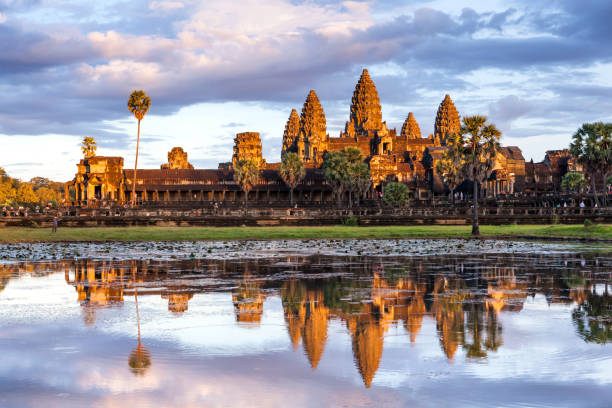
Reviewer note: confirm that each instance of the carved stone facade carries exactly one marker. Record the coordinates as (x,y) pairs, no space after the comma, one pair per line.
(292,132)
(407,157)
(447,121)
(177,160)
(247,146)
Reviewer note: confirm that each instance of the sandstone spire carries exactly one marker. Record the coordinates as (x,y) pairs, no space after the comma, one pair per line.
(312,120)
(312,139)
(447,121)
(366,112)
(411,129)
(292,130)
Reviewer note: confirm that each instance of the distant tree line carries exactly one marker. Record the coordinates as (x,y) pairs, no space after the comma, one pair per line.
(37,191)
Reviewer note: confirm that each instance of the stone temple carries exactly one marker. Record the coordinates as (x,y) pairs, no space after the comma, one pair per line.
(405,157)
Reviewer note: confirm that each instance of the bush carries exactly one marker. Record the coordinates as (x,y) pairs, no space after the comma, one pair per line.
(588,223)
(350,222)
(396,194)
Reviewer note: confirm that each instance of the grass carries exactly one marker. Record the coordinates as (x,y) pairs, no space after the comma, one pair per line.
(16,234)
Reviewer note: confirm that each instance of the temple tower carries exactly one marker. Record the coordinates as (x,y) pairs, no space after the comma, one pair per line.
(447,121)
(247,146)
(312,139)
(410,129)
(292,131)
(366,113)
(177,160)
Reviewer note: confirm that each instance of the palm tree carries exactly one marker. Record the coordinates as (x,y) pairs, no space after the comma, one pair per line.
(592,148)
(475,147)
(139,104)
(246,174)
(292,171)
(449,168)
(89,147)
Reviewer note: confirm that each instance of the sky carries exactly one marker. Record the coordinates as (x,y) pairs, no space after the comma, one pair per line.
(537,69)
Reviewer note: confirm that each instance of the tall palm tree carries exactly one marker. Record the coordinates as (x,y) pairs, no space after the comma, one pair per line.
(246,173)
(592,148)
(475,146)
(139,104)
(292,171)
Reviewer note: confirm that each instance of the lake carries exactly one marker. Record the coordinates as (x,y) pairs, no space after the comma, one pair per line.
(392,323)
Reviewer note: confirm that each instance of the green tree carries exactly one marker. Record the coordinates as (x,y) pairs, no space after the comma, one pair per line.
(139,104)
(25,194)
(246,174)
(361,179)
(475,147)
(573,181)
(292,171)
(89,147)
(396,194)
(449,168)
(342,171)
(592,148)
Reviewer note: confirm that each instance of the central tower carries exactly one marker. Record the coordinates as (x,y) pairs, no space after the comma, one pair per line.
(366,113)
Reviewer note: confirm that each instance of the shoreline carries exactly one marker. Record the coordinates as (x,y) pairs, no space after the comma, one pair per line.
(555,232)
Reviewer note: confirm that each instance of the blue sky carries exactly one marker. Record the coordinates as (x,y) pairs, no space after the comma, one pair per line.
(537,69)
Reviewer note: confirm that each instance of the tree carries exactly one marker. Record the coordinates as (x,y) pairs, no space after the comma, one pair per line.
(246,174)
(449,168)
(342,171)
(89,147)
(475,147)
(334,168)
(592,148)
(292,171)
(396,194)
(139,104)
(362,179)
(573,181)
(47,195)
(7,192)
(25,194)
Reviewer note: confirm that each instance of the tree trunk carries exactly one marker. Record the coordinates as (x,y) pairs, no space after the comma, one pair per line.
(135,167)
(350,199)
(475,226)
(605,189)
(594,187)
(339,198)
(453,197)
(291,194)
(246,200)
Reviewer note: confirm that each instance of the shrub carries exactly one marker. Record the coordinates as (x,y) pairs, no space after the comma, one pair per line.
(350,222)
(396,194)
(588,223)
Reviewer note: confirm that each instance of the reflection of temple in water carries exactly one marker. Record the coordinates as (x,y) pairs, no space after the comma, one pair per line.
(463,297)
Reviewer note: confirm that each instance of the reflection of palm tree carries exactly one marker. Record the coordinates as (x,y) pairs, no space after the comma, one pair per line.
(140,358)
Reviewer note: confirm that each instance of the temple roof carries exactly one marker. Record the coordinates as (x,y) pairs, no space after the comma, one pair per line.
(411,129)
(312,120)
(447,120)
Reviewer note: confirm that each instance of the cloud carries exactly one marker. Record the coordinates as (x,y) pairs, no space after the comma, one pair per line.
(166,5)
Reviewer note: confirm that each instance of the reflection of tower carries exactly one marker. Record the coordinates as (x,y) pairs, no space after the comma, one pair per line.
(314,331)
(97,287)
(415,311)
(248,301)
(293,296)
(178,302)
(367,338)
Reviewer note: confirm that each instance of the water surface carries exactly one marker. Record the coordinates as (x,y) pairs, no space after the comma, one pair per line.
(461,327)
